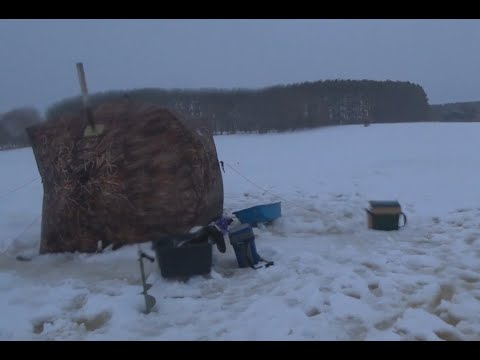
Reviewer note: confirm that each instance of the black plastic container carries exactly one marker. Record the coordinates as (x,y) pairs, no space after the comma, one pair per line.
(183,256)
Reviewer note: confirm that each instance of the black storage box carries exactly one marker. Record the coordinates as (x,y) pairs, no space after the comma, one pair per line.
(385,215)
(183,256)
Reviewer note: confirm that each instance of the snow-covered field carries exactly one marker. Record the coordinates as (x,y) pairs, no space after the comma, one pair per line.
(333,279)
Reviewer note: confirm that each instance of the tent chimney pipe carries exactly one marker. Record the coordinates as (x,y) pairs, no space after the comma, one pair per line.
(83,87)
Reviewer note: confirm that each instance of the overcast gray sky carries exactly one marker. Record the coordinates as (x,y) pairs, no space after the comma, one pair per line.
(37,57)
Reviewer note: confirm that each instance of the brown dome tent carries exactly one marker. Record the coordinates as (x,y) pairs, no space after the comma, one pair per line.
(148,173)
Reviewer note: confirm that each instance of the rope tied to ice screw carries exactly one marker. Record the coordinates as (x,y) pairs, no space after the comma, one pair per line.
(23,232)
(11,191)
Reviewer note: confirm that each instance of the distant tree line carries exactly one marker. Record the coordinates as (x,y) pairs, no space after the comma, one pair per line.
(281,108)
(455,112)
(13,124)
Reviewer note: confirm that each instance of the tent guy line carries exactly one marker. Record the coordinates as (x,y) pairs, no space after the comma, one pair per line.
(271,193)
(8,192)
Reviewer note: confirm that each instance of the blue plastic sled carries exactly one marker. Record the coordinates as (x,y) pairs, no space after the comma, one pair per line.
(259,214)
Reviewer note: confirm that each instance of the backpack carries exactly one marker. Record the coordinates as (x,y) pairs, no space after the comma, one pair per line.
(242,239)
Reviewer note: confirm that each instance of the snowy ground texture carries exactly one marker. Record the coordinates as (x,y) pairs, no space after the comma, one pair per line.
(333,279)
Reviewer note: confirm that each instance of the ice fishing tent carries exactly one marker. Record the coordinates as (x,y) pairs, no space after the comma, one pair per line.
(148,173)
